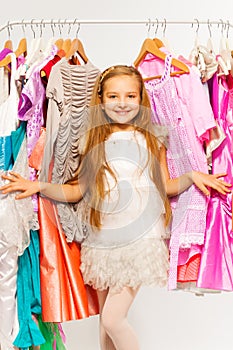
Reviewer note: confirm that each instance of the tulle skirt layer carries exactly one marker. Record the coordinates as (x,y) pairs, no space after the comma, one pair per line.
(144,262)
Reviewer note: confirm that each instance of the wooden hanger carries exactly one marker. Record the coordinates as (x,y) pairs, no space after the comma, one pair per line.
(150,46)
(59,43)
(66,45)
(8,44)
(21,50)
(158,42)
(77,47)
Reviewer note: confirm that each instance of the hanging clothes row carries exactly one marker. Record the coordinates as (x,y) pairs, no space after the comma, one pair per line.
(195,105)
(71,22)
(51,103)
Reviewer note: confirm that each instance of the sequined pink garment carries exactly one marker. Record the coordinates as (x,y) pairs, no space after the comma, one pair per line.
(189,208)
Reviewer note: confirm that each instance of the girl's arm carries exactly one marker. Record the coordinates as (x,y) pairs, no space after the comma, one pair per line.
(71,192)
(201,180)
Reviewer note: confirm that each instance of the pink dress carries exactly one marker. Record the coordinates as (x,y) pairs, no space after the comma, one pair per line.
(185,153)
(216,269)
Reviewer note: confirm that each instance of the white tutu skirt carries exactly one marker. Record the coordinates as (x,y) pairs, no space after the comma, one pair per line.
(143,262)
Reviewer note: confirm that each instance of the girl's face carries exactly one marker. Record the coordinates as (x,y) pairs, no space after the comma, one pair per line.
(121,99)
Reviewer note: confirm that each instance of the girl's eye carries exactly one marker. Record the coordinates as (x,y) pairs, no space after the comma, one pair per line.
(131,96)
(112,96)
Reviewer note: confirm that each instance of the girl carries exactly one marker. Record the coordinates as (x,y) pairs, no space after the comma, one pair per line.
(123,179)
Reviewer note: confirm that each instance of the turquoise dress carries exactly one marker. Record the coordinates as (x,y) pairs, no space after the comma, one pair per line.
(47,335)
(28,288)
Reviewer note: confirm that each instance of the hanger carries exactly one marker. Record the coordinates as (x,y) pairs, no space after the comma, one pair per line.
(77,47)
(225,52)
(149,46)
(59,43)
(66,45)
(158,42)
(21,50)
(209,44)
(36,47)
(8,44)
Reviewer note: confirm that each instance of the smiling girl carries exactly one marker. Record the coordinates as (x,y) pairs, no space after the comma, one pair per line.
(124,179)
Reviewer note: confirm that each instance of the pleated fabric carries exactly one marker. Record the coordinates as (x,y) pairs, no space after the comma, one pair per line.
(63,292)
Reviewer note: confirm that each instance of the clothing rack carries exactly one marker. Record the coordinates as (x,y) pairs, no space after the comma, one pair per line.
(61,22)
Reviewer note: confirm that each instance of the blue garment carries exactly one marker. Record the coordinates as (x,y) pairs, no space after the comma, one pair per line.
(28,284)
(17,137)
(28,279)
(6,157)
(28,295)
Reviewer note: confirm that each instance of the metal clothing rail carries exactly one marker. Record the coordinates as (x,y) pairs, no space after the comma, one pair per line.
(76,21)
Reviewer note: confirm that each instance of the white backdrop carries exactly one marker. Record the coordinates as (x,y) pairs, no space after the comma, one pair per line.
(163,320)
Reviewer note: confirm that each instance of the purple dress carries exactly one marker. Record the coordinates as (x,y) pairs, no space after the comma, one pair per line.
(31,109)
(216,269)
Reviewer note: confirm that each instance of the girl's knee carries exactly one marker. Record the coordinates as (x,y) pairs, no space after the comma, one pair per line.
(111,322)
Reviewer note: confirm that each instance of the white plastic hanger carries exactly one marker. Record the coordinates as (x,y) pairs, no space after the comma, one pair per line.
(35,52)
(224,53)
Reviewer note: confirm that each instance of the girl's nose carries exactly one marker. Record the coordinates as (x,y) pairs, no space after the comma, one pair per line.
(122,103)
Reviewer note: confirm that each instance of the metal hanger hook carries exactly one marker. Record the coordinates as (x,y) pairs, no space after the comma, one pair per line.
(228,28)
(164,24)
(8,29)
(52,27)
(69,29)
(33,31)
(75,20)
(59,26)
(198,25)
(23,27)
(209,27)
(78,29)
(41,27)
(149,27)
(223,25)
(157,27)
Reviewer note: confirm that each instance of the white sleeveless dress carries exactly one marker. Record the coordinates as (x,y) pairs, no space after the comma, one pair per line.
(129,250)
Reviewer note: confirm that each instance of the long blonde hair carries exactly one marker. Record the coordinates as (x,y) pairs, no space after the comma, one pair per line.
(93,162)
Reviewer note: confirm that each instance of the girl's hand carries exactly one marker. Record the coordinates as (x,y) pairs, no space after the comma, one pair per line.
(18,183)
(205,181)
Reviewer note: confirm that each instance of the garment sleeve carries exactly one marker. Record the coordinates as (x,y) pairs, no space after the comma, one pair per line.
(196,100)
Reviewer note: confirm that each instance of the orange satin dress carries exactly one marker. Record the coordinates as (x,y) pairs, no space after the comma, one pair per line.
(64,295)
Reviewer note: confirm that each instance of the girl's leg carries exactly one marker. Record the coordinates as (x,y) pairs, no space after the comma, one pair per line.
(114,319)
(105,341)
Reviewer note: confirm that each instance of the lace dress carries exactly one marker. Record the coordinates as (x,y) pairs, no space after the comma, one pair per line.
(190,207)
(129,250)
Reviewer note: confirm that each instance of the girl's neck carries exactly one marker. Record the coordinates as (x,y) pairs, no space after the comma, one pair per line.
(121,127)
